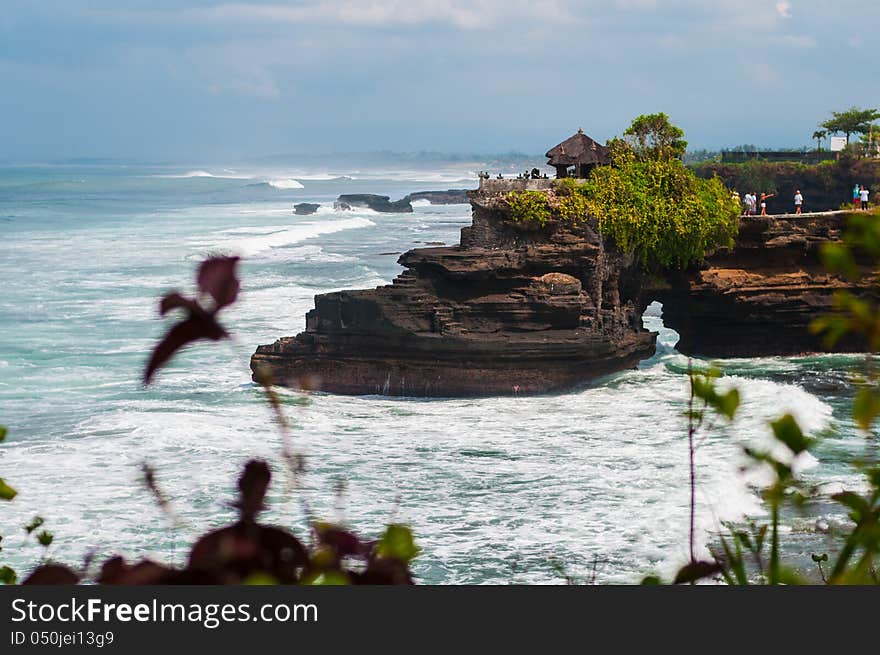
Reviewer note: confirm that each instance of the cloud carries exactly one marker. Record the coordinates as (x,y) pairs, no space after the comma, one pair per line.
(366,13)
(460,14)
(783,9)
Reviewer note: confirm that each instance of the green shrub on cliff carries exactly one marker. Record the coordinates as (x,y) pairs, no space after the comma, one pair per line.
(529,207)
(647,201)
(660,211)
(656,209)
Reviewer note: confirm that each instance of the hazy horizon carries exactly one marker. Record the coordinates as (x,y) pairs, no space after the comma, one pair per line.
(201,80)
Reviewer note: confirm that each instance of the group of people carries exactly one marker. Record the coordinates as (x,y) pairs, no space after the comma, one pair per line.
(751,202)
(860,197)
(534,174)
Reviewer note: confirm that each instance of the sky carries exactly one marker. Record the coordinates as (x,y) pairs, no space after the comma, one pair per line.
(201,80)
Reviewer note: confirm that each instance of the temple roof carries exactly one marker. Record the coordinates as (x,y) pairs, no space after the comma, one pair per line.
(576,150)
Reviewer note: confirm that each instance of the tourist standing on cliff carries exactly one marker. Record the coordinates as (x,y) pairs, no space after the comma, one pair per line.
(764,198)
(863,197)
(798,201)
(856,196)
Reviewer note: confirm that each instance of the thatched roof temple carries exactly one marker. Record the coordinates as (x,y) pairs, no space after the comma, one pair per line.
(577,156)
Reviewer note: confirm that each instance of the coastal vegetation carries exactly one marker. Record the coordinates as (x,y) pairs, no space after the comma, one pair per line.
(750,554)
(647,201)
(851,121)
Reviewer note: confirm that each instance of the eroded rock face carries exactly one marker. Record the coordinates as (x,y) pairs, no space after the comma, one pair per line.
(510,311)
(519,310)
(760,298)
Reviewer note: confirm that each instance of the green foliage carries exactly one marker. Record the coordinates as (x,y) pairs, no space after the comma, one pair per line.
(704,388)
(787,430)
(7,575)
(45,538)
(35,523)
(6,492)
(529,207)
(853,120)
(653,136)
(397,543)
(660,211)
(647,201)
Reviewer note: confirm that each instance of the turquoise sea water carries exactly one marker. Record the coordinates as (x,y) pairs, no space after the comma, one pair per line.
(497,490)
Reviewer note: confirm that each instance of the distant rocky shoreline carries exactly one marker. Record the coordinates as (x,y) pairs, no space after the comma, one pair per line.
(384,204)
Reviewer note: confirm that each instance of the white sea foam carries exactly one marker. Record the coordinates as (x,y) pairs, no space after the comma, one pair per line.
(249,246)
(200,173)
(323,177)
(285,184)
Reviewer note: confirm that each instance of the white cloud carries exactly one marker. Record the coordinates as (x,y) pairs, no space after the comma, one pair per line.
(461,14)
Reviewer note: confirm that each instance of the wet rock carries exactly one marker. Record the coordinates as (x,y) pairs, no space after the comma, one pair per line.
(305,208)
(374,202)
(448,197)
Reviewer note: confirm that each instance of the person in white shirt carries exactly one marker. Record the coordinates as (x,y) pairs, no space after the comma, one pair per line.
(863,195)
(798,201)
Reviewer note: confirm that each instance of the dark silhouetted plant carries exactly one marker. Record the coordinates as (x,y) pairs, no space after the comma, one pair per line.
(247,551)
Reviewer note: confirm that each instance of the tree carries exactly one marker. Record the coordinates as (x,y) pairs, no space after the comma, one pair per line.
(653,136)
(819,135)
(870,140)
(851,121)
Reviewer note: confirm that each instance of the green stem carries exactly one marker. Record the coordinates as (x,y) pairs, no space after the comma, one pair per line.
(774,545)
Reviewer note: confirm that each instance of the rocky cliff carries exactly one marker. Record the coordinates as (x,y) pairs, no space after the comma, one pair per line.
(759,298)
(508,311)
(514,310)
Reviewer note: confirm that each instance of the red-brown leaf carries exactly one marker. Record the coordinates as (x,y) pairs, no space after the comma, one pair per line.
(252,486)
(696,570)
(51,574)
(217,278)
(197,326)
(174,300)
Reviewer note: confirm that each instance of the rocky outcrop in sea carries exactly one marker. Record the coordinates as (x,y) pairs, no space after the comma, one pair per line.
(516,309)
(305,208)
(372,201)
(448,197)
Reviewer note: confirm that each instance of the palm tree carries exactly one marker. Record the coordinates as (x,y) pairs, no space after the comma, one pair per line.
(819,135)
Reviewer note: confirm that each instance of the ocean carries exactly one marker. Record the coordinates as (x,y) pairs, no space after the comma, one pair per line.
(591,484)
